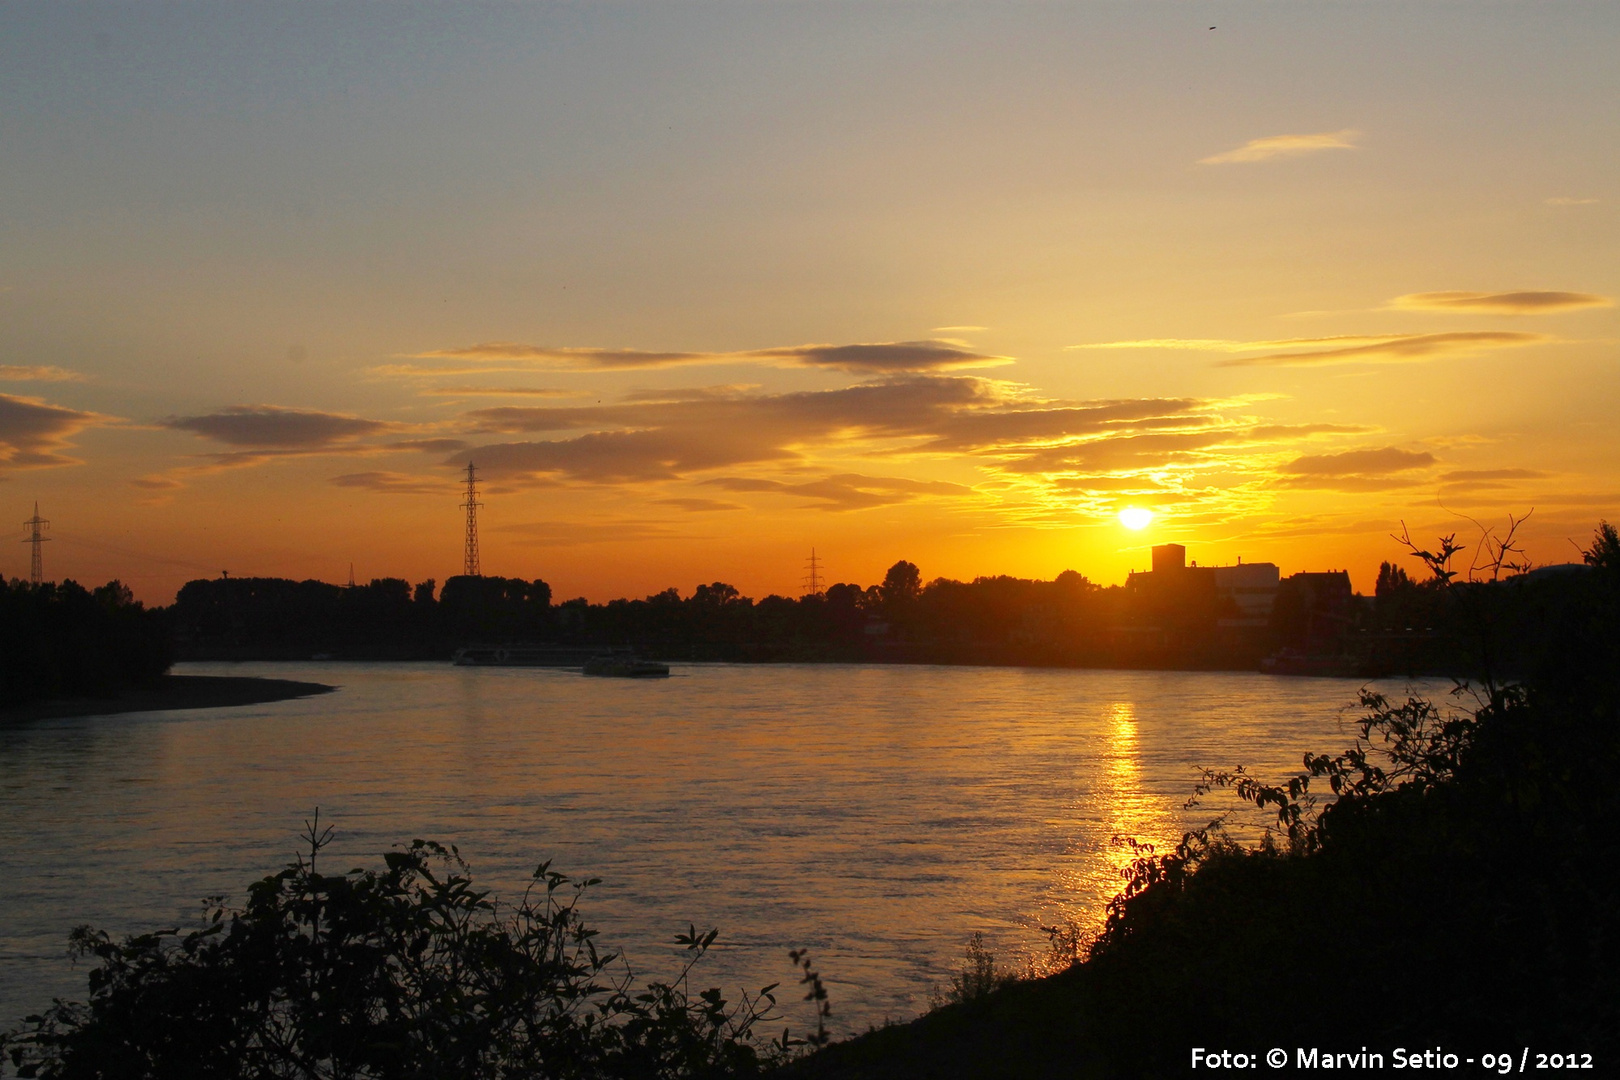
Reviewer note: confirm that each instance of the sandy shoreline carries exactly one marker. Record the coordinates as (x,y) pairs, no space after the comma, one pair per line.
(173,692)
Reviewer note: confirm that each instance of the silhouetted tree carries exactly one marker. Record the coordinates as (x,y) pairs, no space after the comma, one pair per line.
(901,585)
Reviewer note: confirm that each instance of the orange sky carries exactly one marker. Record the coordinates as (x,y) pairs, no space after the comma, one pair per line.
(699,287)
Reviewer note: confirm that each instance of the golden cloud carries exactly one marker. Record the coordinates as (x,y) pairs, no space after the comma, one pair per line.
(41,373)
(1394,349)
(1535,302)
(156,483)
(702,505)
(1338,349)
(1273,146)
(1470,480)
(1376,469)
(393,483)
(500,391)
(33,431)
(720,428)
(274,426)
(429,446)
(1384,460)
(1228,345)
(574,533)
(1032,447)
(883,358)
(847,491)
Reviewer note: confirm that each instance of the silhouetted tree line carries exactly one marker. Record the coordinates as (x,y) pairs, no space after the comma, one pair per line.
(1407,627)
(63,640)
(386,618)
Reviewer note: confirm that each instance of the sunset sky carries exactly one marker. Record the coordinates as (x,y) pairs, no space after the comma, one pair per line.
(699,286)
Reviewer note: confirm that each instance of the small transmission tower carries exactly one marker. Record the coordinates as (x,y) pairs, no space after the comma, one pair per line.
(36,526)
(812,576)
(471,505)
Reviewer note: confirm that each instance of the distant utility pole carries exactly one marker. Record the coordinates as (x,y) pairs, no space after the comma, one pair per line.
(37,525)
(812,577)
(471,505)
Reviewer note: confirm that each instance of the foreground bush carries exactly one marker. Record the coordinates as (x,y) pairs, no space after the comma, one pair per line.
(403,972)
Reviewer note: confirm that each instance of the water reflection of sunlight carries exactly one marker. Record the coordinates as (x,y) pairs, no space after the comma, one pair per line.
(1117,806)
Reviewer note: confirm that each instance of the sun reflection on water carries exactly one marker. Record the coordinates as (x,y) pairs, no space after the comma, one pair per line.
(1117,809)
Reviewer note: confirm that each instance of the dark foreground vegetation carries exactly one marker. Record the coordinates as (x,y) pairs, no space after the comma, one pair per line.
(1457,890)
(403,972)
(63,640)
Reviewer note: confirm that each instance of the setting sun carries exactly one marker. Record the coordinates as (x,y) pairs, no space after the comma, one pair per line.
(1134,517)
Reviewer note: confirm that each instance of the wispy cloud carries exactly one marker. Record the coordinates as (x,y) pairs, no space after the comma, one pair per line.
(33,432)
(393,483)
(1229,346)
(1376,469)
(847,491)
(1044,462)
(1273,146)
(1566,200)
(1468,481)
(38,373)
(575,533)
(700,506)
(429,446)
(1529,302)
(1338,349)
(935,415)
(1477,475)
(883,358)
(1395,349)
(156,483)
(500,391)
(273,426)
(1384,460)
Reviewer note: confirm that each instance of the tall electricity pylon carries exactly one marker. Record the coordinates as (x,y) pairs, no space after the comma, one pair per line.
(812,577)
(36,525)
(471,505)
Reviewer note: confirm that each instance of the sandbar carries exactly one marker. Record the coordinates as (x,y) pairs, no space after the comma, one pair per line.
(171,692)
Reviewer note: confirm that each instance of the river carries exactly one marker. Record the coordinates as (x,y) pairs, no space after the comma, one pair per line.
(877,815)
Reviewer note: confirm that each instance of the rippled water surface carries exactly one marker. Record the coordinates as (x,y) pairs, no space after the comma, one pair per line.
(877,815)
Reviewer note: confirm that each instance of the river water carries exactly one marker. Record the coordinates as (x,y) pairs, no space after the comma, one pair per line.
(878,815)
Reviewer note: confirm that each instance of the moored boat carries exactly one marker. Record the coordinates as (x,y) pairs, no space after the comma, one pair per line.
(520,655)
(624,666)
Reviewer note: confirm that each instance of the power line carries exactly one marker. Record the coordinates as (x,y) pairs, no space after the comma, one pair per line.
(471,505)
(36,570)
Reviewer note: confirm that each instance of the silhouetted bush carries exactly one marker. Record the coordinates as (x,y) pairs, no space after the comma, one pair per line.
(404,972)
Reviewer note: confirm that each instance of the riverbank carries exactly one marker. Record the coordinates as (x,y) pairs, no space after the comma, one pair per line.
(170,692)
